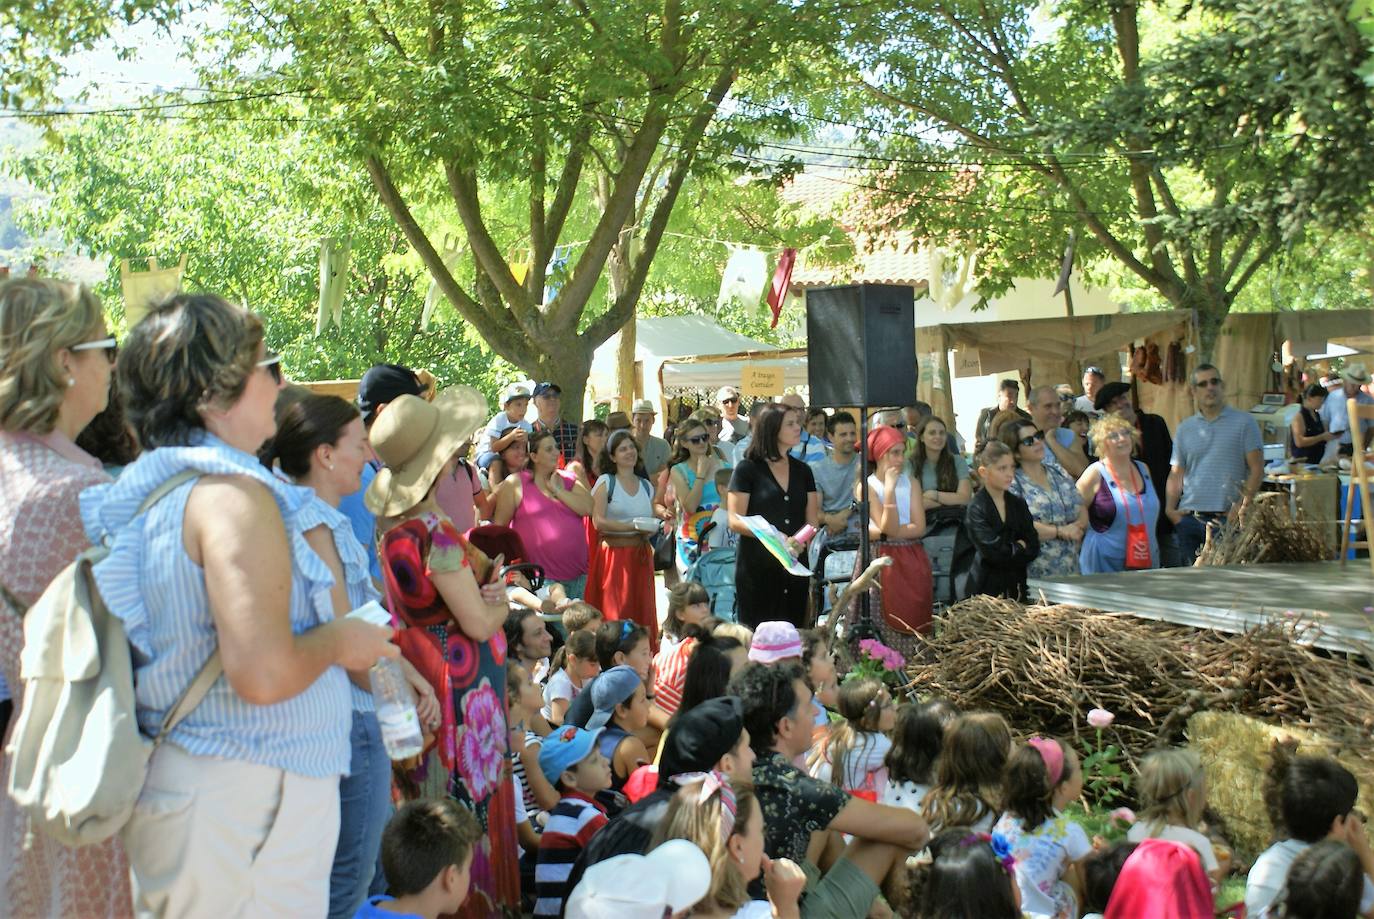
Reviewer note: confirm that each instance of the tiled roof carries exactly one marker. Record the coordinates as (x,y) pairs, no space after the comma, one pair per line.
(894,257)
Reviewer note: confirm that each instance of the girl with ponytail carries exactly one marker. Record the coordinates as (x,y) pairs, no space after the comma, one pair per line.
(853,756)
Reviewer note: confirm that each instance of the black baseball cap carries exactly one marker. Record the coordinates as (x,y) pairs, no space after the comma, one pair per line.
(385,383)
(699,737)
(541,388)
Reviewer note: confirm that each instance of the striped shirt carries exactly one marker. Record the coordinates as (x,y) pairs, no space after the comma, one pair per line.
(1212,456)
(572,822)
(152,585)
(670,672)
(357,574)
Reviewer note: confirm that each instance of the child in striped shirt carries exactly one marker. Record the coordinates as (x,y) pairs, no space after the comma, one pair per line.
(573,764)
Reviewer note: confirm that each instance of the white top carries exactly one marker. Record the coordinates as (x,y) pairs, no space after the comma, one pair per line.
(1200,844)
(755,909)
(875,489)
(904,794)
(1042,857)
(521,814)
(498,423)
(559,686)
(626,505)
(1267,878)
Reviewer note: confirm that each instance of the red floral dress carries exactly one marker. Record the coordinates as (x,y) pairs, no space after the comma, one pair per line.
(469,678)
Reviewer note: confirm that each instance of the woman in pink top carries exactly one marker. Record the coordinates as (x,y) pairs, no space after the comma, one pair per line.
(55,364)
(546,506)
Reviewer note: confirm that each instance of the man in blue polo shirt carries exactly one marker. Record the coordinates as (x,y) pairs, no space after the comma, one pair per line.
(1216,467)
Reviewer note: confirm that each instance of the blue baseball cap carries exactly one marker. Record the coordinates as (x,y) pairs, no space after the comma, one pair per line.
(564,749)
(613,687)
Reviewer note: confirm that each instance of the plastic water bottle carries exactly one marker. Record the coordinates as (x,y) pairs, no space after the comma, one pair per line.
(396,713)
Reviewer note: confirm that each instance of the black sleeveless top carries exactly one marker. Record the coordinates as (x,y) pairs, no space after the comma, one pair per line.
(1312,425)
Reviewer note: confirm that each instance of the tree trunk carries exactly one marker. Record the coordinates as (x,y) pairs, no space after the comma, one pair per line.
(618,276)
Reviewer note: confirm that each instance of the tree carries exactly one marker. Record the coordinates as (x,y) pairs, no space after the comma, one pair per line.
(1190,143)
(587,111)
(36,36)
(250,208)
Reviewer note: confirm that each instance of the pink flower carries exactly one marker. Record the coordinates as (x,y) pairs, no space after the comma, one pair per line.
(1122,815)
(1100,718)
(482,742)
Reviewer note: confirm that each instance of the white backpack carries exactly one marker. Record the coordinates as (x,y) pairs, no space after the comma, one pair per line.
(77,758)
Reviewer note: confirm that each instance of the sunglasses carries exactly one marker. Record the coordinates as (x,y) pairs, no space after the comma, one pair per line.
(729,401)
(109,345)
(1210,381)
(1038,436)
(272,363)
(698,439)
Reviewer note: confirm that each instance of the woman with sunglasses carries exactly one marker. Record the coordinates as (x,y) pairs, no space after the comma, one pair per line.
(55,364)
(1122,504)
(692,473)
(237,803)
(1056,508)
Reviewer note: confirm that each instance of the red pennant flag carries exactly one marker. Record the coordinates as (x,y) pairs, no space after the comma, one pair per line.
(782,279)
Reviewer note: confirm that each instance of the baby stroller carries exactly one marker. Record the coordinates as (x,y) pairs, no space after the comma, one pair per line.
(714,569)
(950,552)
(833,564)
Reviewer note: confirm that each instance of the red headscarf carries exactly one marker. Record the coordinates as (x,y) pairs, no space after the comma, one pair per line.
(1161,878)
(882,439)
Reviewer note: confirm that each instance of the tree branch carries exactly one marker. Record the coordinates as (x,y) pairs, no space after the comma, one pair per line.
(1261,257)
(463,188)
(494,328)
(623,309)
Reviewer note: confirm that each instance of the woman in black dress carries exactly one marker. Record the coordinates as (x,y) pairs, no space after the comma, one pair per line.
(1001,528)
(781,489)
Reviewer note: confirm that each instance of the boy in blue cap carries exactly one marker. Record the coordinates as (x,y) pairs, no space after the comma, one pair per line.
(572,763)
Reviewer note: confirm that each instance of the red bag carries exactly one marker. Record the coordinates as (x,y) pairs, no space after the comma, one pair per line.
(1137,536)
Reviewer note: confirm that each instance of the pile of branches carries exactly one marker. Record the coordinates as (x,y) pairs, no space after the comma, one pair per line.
(1267,532)
(1044,667)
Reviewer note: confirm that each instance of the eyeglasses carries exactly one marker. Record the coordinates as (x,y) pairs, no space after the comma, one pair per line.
(1038,436)
(732,401)
(109,345)
(1210,381)
(899,425)
(698,439)
(272,364)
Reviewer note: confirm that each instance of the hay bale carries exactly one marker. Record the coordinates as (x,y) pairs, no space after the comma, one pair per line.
(1235,754)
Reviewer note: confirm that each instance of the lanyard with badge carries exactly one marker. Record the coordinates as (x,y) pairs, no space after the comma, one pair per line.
(1137,537)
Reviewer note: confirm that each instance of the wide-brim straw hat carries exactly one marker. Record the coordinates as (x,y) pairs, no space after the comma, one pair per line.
(416,439)
(1355,373)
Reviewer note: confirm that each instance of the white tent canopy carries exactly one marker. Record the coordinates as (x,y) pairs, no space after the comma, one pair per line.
(662,344)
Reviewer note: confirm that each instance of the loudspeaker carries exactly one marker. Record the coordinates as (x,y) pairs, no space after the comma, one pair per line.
(861,345)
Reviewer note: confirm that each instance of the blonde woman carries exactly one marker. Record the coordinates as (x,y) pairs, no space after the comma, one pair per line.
(56,358)
(1123,506)
(727,826)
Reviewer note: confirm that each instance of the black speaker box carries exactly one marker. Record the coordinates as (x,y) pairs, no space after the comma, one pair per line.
(861,345)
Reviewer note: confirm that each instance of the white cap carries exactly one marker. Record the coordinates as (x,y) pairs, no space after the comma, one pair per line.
(515,391)
(726,392)
(675,877)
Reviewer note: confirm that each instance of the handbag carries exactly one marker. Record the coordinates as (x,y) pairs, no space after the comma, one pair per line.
(1137,535)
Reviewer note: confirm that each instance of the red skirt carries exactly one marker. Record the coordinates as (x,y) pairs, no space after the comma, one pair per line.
(620,583)
(906,601)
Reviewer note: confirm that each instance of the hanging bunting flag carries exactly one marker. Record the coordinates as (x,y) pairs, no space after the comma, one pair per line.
(453,251)
(333,281)
(746,276)
(782,279)
(556,272)
(521,269)
(144,288)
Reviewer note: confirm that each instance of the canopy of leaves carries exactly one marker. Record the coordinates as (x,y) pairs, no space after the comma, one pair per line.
(1188,143)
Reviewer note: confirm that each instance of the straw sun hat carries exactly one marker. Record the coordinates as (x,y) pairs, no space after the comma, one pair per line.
(416,439)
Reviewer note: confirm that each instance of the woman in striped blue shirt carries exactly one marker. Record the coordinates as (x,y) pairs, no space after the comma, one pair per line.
(240,802)
(321,444)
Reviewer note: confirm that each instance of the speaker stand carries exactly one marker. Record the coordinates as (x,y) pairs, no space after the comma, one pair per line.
(863,627)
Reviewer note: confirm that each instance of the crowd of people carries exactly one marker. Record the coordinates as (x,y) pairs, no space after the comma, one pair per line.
(615,765)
